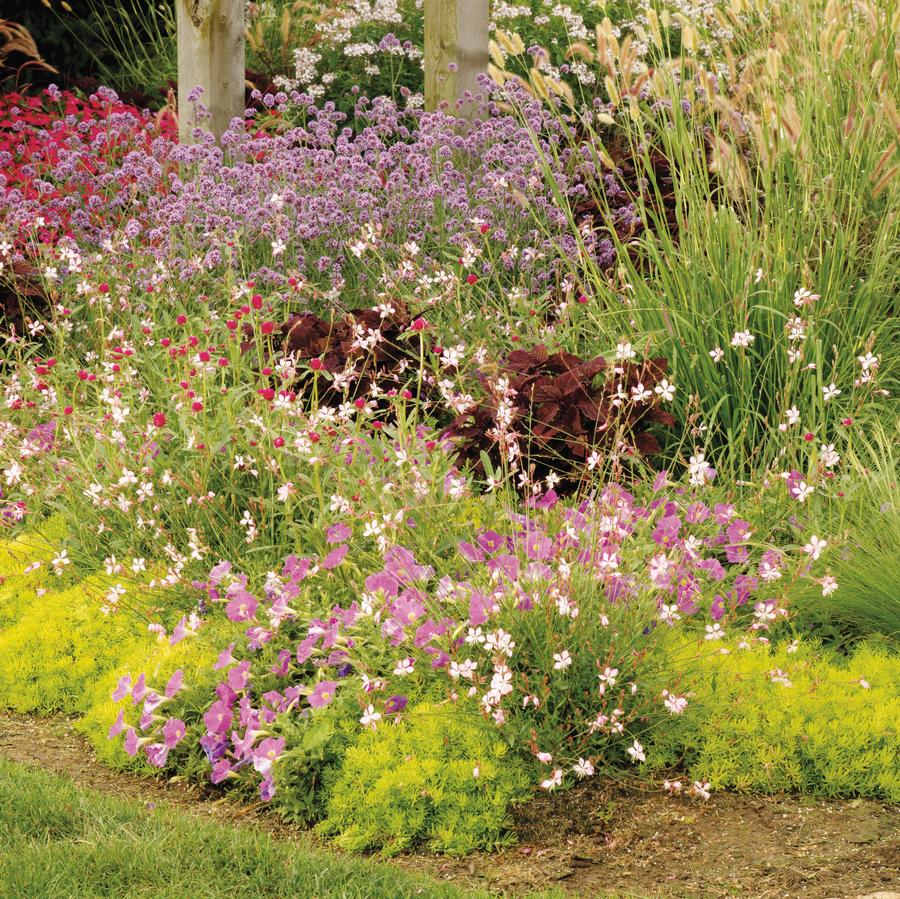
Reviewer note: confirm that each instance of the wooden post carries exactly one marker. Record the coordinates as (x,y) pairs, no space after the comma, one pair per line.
(456,50)
(211,56)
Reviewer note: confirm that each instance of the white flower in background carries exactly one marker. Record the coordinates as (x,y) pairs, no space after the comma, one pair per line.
(828,455)
(815,547)
(665,391)
(636,751)
(583,768)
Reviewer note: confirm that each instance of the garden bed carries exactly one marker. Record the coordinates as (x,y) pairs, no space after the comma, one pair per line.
(595,840)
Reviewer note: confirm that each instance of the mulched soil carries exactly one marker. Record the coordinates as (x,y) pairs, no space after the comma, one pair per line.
(598,840)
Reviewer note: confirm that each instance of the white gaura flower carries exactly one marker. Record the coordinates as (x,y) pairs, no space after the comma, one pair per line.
(742,339)
(561,660)
(828,455)
(636,751)
(831,391)
(815,547)
(553,781)
(583,768)
(370,717)
(829,585)
(640,394)
(717,354)
(665,391)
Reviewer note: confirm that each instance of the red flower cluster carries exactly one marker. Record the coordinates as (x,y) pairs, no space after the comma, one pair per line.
(38,134)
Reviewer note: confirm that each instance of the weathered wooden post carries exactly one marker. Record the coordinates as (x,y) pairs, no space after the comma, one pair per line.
(211,56)
(456,50)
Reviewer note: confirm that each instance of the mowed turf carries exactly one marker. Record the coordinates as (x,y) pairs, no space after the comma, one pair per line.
(57,840)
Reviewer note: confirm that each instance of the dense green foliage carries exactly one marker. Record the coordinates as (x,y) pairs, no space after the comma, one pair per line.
(791,720)
(441,777)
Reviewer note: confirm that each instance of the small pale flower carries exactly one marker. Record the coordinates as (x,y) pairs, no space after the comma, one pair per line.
(583,768)
(665,391)
(815,547)
(370,717)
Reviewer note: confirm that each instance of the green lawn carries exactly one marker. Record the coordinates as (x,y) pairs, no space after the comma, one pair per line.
(57,840)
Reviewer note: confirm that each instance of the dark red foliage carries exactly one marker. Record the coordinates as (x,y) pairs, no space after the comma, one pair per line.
(650,181)
(20,288)
(565,408)
(337,347)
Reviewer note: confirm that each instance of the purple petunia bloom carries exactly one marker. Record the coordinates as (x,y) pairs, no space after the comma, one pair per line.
(225,658)
(491,541)
(335,557)
(175,684)
(123,688)
(395,704)
(42,437)
(239,677)
(117,726)
(219,572)
(481,607)
(221,770)
(267,788)
(323,694)
(470,552)
(157,754)
(173,732)
(717,609)
(337,533)
(218,718)
(266,753)
(139,690)
(242,607)
(132,742)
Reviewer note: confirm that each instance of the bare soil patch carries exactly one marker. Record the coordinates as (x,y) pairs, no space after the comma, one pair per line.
(598,840)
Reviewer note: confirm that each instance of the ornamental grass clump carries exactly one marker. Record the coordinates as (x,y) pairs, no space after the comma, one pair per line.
(774,298)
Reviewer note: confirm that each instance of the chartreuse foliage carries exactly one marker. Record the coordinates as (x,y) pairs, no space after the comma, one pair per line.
(767,721)
(17,586)
(58,646)
(441,777)
(58,840)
